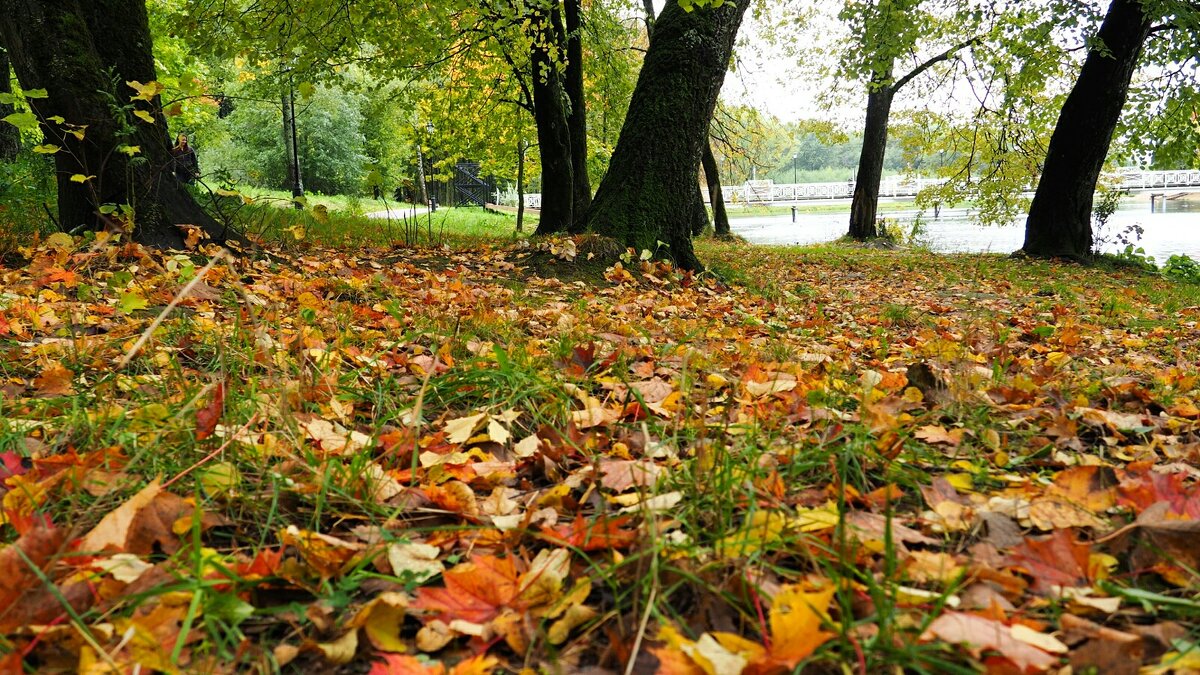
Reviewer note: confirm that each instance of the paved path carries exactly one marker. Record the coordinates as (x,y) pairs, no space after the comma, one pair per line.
(399,211)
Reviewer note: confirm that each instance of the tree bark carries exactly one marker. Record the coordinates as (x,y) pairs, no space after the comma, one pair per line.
(521,147)
(1060,217)
(291,143)
(10,136)
(553,128)
(864,208)
(716,196)
(577,121)
(700,221)
(67,47)
(654,173)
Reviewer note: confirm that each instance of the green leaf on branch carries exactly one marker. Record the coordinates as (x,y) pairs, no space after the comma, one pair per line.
(24,121)
(145,116)
(80,178)
(36,93)
(47,149)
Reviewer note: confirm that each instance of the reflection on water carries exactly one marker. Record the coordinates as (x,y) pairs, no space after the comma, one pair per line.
(1173,231)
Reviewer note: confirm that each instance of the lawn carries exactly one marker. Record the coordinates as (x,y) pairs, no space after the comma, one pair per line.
(485,454)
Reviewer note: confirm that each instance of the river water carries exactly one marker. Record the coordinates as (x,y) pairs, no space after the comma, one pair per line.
(1170,230)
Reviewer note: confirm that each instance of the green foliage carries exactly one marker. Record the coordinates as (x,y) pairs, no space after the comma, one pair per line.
(26,189)
(1182,268)
(247,146)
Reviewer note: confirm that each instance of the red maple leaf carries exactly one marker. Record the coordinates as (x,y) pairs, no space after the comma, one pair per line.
(207,417)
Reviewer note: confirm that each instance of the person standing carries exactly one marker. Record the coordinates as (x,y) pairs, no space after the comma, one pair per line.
(187,167)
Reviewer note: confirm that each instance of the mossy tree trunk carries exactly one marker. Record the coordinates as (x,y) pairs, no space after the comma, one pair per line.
(577,120)
(550,114)
(68,47)
(10,137)
(700,222)
(865,205)
(653,177)
(1060,217)
(715,196)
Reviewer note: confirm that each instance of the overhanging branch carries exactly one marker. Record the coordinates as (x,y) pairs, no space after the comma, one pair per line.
(899,84)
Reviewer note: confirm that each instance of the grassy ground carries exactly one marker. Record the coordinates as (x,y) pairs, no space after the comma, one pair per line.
(832,458)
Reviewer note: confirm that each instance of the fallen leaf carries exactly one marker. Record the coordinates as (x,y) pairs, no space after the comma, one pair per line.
(978,634)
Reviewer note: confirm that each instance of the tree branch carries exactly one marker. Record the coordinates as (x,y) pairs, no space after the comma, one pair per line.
(932,62)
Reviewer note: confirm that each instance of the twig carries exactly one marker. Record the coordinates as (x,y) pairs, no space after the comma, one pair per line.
(137,346)
(637,642)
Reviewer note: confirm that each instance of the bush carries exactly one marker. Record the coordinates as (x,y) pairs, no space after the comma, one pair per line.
(1182,268)
(26,190)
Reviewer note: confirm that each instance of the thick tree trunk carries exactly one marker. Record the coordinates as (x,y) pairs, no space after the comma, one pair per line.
(553,128)
(715,196)
(577,121)
(700,221)
(654,173)
(67,47)
(865,206)
(10,137)
(1060,217)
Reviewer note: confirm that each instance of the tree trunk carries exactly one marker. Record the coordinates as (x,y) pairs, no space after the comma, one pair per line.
(1060,217)
(654,173)
(421,185)
(553,128)
(67,47)
(715,195)
(577,121)
(10,136)
(865,206)
(291,143)
(521,147)
(700,221)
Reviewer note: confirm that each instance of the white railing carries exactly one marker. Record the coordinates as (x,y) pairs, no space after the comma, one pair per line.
(767,192)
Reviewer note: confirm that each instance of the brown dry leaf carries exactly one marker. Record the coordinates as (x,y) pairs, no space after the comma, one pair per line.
(24,599)
(1094,646)
(1167,537)
(620,475)
(867,526)
(332,437)
(1051,514)
(933,434)
(113,530)
(54,380)
(1053,562)
(978,634)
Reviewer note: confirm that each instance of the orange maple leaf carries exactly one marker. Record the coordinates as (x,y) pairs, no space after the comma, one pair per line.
(475,591)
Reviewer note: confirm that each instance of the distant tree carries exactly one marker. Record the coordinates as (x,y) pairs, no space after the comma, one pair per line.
(653,178)
(885,33)
(84,54)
